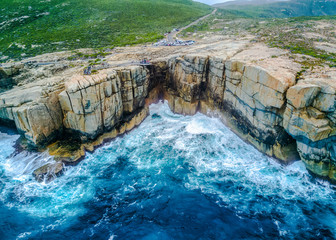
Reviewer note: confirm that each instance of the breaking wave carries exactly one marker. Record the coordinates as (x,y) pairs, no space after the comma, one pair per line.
(173,177)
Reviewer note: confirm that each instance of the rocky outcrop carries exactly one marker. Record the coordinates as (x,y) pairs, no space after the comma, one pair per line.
(35,111)
(49,172)
(82,107)
(6,77)
(273,112)
(95,104)
(247,97)
(19,73)
(309,119)
(86,105)
(260,101)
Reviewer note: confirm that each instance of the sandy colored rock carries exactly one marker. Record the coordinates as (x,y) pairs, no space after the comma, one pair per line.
(302,95)
(94,104)
(252,88)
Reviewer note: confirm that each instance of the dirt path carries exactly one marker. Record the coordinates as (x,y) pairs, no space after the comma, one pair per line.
(171,36)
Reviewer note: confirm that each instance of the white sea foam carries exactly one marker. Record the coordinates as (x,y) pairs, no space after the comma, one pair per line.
(199,127)
(199,151)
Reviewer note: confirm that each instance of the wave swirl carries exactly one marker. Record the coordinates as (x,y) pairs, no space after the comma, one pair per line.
(173,177)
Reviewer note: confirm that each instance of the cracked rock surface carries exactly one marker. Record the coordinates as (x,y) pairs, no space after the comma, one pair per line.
(254,93)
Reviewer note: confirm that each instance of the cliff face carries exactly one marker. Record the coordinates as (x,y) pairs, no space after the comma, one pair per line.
(277,115)
(246,97)
(35,111)
(281,117)
(310,119)
(95,104)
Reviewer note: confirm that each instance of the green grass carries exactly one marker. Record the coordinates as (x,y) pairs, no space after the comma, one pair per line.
(285,9)
(32,27)
(285,33)
(208,25)
(275,35)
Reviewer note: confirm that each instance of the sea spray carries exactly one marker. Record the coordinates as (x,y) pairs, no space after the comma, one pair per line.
(173,177)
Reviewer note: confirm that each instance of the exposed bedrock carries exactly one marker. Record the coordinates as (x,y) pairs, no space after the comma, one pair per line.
(274,113)
(35,111)
(79,107)
(19,73)
(310,119)
(85,105)
(283,118)
(245,97)
(96,104)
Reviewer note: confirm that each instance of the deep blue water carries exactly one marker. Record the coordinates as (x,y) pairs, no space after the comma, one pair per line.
(174,177)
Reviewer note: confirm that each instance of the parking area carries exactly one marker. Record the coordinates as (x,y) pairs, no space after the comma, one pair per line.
(175,42)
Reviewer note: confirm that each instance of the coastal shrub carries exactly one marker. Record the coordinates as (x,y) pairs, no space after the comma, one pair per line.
(31,27)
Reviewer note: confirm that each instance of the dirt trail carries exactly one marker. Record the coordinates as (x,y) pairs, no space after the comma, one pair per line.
(172,35)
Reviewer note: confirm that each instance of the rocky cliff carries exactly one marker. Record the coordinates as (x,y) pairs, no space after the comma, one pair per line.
(76,106)
(246,97)
(35,111)
(96,104)
(275,113)
(310,119)
(86,106)
(282,117)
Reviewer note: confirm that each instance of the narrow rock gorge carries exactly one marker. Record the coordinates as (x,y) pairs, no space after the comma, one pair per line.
(262,101)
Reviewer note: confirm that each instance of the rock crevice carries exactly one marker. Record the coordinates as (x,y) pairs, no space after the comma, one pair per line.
(282,118)
(247,97)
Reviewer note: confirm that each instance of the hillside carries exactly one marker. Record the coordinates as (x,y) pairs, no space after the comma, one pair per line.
(246,2)
(313,36)
(29,27)
(281,9)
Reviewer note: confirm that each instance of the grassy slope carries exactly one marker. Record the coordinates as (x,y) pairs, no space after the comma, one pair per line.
(34,27)
(285,33)
(276,34)
(292,8)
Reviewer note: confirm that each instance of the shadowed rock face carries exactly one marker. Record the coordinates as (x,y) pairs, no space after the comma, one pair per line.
(309,118)
(280,117)
(248,99)
(277,115)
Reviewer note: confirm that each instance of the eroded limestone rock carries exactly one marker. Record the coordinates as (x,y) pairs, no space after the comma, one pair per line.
(308,118)
(252,99)
(35,110)
(95,104)
(259,100)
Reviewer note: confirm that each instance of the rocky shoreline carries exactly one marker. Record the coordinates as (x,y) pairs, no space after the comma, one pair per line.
(261,100)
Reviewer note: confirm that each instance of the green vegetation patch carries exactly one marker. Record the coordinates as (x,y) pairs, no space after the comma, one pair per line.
(299,35)
(293,8)
(32,27)
(290,34)
(214,22)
